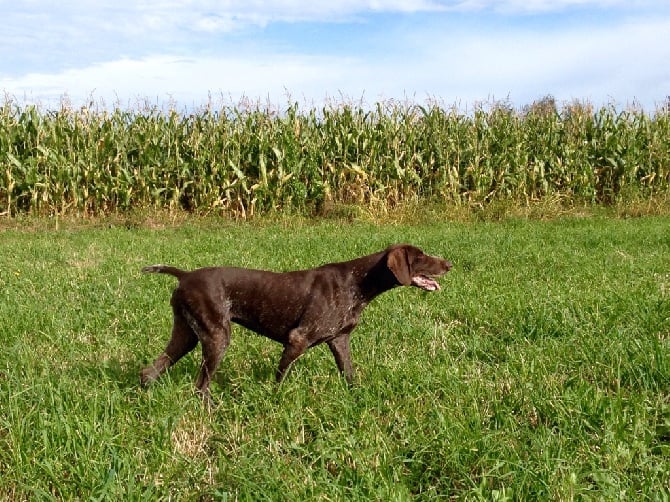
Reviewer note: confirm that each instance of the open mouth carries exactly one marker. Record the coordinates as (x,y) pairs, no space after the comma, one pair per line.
(426,283)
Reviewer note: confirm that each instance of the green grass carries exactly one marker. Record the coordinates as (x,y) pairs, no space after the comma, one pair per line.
(540,371)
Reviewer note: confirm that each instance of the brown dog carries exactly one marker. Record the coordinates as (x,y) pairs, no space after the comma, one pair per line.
(298,309)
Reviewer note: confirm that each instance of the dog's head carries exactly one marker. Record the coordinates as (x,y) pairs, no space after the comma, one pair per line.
(413,267)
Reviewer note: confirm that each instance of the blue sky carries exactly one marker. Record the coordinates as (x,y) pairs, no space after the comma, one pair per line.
(456,52)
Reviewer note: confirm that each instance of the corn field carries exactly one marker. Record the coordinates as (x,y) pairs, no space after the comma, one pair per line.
(252,159)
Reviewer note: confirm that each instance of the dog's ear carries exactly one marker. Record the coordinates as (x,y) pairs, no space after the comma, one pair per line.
(398,262)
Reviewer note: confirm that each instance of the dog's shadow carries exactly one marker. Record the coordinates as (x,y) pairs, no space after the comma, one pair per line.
(120,373)
(234,376)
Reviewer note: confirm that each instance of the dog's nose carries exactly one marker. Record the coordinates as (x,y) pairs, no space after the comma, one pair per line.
(448,265)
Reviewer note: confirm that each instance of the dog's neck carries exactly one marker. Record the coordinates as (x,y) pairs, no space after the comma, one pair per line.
(378,278)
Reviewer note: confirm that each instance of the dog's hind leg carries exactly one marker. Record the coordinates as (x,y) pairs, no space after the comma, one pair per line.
(214,343)
(183,340)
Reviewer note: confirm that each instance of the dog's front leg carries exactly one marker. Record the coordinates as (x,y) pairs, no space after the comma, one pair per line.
(294,347)
(340,349)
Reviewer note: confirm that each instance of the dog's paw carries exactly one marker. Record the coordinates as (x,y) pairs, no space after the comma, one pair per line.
(148,375)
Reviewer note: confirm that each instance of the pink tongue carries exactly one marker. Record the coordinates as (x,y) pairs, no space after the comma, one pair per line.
(423,282)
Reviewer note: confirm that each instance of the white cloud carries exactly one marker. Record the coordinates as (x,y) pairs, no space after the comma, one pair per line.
(620,63)
(623,60)
(188,81)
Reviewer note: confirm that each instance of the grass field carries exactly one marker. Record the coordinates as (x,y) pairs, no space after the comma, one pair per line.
(540,371)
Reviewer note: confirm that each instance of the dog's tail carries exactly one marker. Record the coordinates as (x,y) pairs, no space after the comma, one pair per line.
(165,269)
